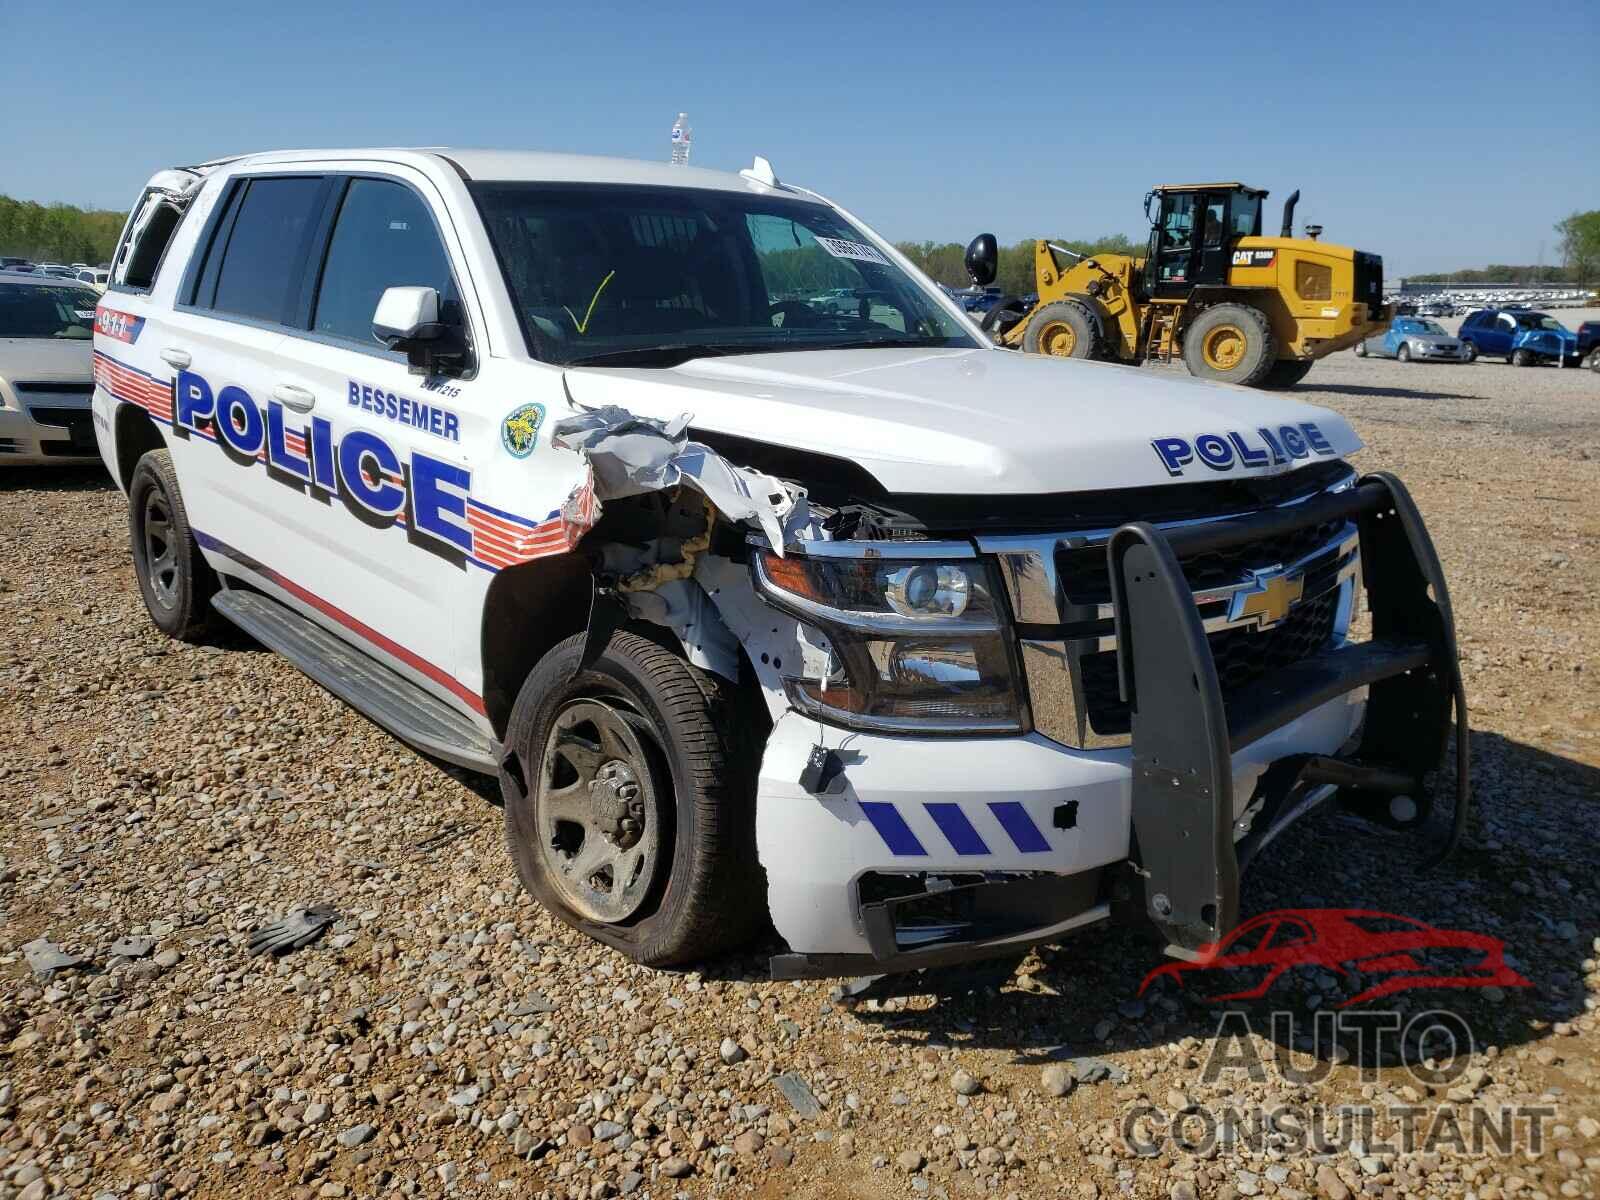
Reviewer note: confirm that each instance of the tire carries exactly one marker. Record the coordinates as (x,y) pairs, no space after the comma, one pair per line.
(1062,329)
(1469,351)
(1404,353)
(174,578)
(1285,373)
(1522,358)
(1361,349)
(1230,342)
(683,883)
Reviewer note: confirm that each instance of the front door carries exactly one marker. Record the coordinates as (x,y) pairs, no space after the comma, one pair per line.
(392,570)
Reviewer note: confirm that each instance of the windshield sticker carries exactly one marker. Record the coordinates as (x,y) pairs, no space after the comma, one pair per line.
(121,326)
(520,430)
(859,251)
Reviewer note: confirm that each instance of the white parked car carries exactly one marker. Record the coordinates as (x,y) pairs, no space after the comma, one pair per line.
(96,279)
(752,608)
(46,371)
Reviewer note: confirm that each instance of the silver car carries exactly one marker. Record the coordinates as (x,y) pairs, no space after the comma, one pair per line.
(1416,339)
(46,370)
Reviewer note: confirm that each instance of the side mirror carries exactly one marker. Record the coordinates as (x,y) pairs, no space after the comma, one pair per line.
(982,259)
(407,319)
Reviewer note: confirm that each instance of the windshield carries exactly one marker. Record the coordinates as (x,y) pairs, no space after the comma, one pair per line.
(650,276)
(28,310)
(1538,321)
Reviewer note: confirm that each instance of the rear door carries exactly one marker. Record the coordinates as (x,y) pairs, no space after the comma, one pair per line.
(243,290)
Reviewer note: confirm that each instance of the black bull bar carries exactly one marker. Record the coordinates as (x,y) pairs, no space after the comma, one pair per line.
(1184,735)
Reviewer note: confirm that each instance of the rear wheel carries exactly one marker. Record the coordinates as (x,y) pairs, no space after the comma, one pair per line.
(174,578)
(1404,353)
(630,801)
(1230,342)
(1062,329)
(1522,358)
(1285,373)
(1361,349)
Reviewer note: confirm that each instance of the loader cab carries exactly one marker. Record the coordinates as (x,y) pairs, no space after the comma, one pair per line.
(1193,229)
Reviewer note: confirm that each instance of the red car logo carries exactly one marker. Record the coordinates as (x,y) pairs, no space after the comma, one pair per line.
(1403,952)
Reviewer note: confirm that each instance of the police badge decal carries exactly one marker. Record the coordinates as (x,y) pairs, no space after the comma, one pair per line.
(520,430)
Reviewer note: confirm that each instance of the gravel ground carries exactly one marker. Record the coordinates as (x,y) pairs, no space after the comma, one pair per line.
(446,1037)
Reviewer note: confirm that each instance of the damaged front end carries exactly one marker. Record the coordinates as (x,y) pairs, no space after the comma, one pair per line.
(946,777)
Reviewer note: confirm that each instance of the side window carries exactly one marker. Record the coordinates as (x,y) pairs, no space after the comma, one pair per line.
(384,238)
(262,261)
(140,254)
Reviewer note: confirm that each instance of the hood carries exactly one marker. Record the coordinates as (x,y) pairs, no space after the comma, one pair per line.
(983,422)
(1431,339)
(56,360)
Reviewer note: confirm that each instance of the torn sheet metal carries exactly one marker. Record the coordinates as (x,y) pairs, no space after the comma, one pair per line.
(631,455)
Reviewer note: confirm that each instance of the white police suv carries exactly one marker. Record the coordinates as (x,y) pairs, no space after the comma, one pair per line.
(754,602)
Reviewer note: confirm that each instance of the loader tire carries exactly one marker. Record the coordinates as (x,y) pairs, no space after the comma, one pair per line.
(1285,373)
(1232,343)
(1063,329)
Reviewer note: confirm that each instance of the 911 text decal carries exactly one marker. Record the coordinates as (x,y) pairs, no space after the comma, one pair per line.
(1224,451)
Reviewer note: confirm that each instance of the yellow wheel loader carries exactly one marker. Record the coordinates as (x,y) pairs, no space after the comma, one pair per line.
(1237,306)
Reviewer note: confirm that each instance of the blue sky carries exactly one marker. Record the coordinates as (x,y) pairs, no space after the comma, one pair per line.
(1437,135)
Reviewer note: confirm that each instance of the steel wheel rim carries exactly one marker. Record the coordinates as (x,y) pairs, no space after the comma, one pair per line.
(598,810)
(1224,347)
(1058,339)
(160,548)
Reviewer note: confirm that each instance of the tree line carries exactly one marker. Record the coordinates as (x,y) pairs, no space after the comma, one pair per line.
(58,232)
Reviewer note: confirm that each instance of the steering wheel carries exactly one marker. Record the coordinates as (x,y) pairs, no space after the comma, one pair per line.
(797,308)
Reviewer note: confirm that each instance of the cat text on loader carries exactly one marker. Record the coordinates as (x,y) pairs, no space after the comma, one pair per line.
(1239,307)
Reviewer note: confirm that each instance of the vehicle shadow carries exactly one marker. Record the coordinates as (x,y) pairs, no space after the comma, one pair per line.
(1390,393)
(1520,877)
(91,477)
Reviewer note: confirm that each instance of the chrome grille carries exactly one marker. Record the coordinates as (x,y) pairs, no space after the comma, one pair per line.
(1060,594)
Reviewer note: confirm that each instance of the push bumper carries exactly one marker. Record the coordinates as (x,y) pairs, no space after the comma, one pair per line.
(1185,736)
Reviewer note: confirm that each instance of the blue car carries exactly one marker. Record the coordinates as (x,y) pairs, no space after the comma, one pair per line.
(1521,336)
(1413,339)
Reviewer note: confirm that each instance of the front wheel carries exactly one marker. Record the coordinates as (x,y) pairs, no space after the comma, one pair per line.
(1522,358)
(630,801)
(1404,353)
(1062,329)
(1230,342)
(174,578)
(1469,352)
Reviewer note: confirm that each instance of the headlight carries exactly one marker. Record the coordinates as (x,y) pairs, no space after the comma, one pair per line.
(913,645)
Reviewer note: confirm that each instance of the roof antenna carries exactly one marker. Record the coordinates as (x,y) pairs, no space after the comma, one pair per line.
(761,172)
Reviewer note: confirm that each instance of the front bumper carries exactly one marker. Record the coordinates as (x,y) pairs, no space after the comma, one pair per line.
(61,432)
(932,851)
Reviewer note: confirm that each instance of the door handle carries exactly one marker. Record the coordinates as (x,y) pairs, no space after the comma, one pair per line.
(297,398)
(174,357)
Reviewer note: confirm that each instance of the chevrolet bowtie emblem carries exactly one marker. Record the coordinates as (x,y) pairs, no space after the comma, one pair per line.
(1274,593)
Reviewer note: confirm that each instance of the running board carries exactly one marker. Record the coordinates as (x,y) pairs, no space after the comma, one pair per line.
(373,690)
